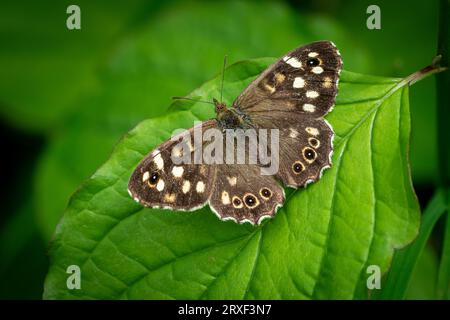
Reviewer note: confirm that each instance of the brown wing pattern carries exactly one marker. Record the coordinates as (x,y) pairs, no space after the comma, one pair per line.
(292,95)
(304,81)
(158,182)
(305,151)
(242,194)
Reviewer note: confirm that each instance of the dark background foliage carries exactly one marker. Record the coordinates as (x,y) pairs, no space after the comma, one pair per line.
(66,97)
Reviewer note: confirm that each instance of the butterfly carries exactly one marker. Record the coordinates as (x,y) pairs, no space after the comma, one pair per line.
(292,96)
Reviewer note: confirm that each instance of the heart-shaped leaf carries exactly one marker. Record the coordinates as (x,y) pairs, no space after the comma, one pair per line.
(319,244)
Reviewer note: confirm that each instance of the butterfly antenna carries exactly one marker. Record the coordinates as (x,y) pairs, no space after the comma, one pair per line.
(223,77)
(190,99)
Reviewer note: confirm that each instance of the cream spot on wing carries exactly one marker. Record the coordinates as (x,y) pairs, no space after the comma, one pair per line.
(312,131)
(160,185)
(317,70)
(203,170)
(293,133)
(313,54)
(152,154)
(200,187)
(145,176)
(299,82)
(225,197)
(327,82)
(279,77)
(312,94)
(232,180)
(292,61)
(177,152)
(186,186)
(309,107)
(129,192)
(177,171)
(270,88)
(159,161)
(170,197)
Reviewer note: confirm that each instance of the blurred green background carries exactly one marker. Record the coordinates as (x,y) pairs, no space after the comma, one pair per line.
(67,96)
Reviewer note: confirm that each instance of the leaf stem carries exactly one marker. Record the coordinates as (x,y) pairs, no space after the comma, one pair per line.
(434,67)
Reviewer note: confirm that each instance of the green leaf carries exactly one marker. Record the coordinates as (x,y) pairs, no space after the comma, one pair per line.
(399,277)
(318,245)
(423,280)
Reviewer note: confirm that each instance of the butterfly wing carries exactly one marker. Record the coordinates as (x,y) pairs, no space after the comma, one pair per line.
(305,150)
(293,95)
(304,81)
(234,191)
(242,194)
(159,182)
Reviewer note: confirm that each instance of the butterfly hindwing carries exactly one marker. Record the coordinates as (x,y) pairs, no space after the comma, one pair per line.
(305,151)
(242,194)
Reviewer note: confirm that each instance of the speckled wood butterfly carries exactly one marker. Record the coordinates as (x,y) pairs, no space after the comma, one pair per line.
(292,96)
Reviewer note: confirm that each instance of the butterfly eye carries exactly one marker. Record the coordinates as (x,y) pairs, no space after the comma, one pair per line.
(298,167)
(237,203)
(309,154)
(250,201)
(265,193)
(312,62)
(313,142)
(153,180)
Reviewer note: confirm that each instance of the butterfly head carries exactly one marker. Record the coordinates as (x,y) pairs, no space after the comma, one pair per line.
(220,106)
(228,118)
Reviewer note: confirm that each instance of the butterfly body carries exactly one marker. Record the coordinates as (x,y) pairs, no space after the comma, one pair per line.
(290,97)
(230,118)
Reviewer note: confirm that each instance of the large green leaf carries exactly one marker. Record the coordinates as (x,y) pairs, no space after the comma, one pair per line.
(405,261)
(318,245)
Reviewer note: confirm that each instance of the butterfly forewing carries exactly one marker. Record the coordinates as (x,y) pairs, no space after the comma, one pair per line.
(304,81)
(158,182)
